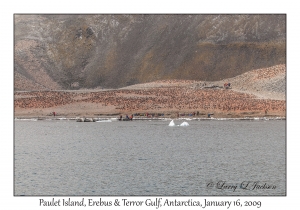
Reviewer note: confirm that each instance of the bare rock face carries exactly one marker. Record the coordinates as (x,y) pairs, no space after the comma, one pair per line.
(113,51)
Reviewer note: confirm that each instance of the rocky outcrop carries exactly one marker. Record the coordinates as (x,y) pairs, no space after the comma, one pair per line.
(113,51)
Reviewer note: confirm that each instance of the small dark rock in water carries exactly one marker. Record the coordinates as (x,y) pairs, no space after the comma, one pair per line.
(88,120)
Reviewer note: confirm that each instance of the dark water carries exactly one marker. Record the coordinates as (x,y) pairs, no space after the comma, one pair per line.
(232,157)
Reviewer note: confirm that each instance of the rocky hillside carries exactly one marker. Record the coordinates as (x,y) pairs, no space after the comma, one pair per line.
(113,51)
(266,83)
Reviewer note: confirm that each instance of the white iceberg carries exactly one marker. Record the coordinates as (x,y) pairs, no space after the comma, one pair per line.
(184,124)
(172,123)
(103,121)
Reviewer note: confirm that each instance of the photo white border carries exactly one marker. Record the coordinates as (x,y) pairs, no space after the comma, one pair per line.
(8,9)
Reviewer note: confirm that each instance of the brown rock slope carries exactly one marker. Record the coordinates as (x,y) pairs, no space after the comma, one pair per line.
(71,52)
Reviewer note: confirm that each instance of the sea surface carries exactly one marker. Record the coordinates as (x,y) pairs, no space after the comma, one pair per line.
(149,157)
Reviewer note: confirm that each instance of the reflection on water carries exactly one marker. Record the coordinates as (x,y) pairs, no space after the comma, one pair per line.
(150,158)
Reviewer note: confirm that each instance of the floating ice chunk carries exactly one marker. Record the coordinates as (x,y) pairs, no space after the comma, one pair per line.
(103,121)
(184,124)
(172,123)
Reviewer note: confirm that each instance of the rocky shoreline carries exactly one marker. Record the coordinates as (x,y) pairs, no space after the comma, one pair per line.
(111,119)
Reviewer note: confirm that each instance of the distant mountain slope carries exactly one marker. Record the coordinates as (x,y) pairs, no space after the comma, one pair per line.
(112,51)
